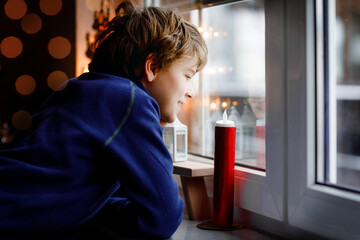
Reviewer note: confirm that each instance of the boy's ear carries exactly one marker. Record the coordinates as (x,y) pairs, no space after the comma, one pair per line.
(149,69)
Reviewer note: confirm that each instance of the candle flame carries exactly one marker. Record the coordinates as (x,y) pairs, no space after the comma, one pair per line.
(225,116)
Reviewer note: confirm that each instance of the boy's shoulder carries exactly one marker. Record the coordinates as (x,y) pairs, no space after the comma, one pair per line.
(113,88)
(102,80)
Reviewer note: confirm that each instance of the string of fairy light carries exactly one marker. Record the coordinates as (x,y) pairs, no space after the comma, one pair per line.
(12,47)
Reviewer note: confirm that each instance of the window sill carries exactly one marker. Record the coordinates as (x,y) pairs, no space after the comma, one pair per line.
(189,230)
(192,173)
(197,166)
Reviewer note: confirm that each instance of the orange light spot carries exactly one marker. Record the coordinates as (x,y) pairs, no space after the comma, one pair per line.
(213,106)
(31,23)
(11,47)
(25,84)
(15,9)
(50,7)
(59,47)
(57,80)
(92,5)
(21,120)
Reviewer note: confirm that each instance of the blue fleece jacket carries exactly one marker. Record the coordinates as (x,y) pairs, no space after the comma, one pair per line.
(94,151)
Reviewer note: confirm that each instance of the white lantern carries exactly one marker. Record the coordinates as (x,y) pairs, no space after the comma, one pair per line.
(175,139)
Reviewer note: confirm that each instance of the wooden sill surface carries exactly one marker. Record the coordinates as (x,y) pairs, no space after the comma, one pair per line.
(191,168)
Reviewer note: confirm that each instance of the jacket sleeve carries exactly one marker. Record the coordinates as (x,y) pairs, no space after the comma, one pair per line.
(148,201)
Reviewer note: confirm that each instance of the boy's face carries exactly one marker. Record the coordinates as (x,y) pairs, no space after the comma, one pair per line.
(172,87)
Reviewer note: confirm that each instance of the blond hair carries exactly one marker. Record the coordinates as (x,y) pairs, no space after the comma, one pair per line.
(135,33)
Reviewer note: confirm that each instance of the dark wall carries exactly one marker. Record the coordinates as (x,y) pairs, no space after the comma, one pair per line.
(57,20)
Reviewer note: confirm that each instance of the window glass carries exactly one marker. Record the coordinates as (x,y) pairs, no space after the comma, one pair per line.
(233,79)
(343,119)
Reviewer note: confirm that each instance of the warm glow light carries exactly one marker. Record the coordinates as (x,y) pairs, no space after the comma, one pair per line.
(92,5)
(200,29)
(31,23)
(11,47)
(206,35)
(57,80)
(212,70)
(216,34)
(221,70)
(235,103)
(50,7)
(213,106)
(25,84)
(15,9)
(230,69)
(21,120)
(59,47)
(224,104)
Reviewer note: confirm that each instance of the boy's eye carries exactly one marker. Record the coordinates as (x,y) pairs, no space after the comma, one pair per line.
(188,77)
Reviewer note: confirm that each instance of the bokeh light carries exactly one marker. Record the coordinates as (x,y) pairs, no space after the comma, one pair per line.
(50,7)
(21,120)
(31,23)
(57,80)
(11,47)
(92,5)
(15,9)
(59,47)
(213,106)
(25,84)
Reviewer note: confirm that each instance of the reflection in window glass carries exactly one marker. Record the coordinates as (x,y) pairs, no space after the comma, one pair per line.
(344,90)
(233,79)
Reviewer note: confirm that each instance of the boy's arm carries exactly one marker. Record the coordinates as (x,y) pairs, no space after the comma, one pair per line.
(150,203)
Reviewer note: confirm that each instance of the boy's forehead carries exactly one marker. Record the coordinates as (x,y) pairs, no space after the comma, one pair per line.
(190,62)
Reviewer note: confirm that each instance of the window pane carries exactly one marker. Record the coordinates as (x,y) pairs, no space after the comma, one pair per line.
(344,91)
(233,79)
(191,112)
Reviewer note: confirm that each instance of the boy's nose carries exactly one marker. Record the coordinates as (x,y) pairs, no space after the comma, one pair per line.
(190,93)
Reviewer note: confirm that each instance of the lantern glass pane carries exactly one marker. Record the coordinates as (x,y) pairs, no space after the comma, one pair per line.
(169,142)
(180,144)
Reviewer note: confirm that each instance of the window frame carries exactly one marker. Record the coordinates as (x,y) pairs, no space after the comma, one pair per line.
(315,207)
(289,191)
(256,191)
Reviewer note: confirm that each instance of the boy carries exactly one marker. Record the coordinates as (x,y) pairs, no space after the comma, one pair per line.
(93,162)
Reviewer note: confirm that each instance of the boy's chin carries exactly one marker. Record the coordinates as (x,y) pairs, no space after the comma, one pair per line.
(163,122)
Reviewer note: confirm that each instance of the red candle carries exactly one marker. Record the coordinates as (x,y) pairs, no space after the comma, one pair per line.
(224,164)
